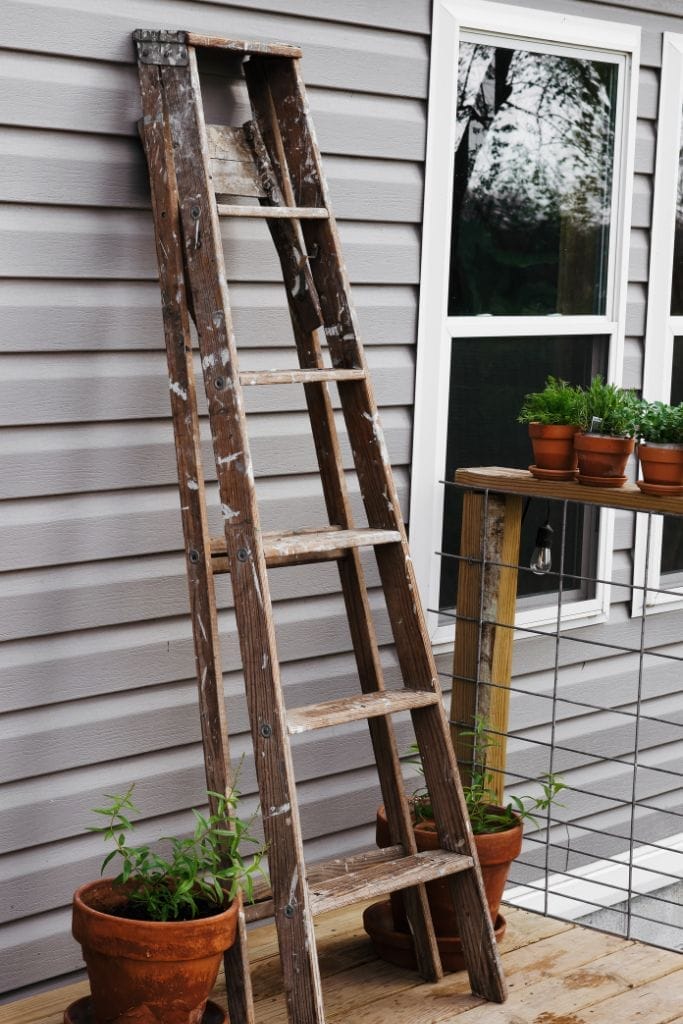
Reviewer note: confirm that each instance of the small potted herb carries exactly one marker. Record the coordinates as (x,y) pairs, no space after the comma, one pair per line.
(153,937)
(553,417)
(609,419)
(498,839)
(660,448)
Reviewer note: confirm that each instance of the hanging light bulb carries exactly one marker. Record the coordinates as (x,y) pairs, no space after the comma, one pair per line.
(542,559)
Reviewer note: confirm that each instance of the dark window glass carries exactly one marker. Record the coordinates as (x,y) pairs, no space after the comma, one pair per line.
(489,378)
(672,535)
(532,183)
(677,283)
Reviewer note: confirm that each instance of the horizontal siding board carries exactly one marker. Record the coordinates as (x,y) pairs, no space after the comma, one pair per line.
(80,96)
(67,388)
(102,316)
(48,242)
(74,169)
(69,529)
(72,666)
(74,458)
(334,54)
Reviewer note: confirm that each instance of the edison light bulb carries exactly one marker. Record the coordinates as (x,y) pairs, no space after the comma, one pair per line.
(542,559)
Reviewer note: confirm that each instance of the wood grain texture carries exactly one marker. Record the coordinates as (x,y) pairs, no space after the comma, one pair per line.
(377,487)
(304,307)
(272,212)
(253,611)
(191,486)
(490,530)
(520,481)
(351,709)
(387,876)
(309,545)
(245,46)
(572,974)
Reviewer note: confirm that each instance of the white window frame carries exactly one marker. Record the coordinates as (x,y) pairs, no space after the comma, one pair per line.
(661,327)
(597,39)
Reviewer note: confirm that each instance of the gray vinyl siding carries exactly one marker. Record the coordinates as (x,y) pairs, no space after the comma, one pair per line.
(96,652)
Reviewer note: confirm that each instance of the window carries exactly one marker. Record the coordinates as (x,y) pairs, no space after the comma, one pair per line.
(663,367)
(524,262)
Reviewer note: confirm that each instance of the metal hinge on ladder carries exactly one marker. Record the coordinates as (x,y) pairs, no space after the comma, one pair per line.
(272,168)
(162,48)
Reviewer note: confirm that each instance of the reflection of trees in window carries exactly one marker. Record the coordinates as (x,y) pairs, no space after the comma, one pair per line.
(677,283)
(532,183)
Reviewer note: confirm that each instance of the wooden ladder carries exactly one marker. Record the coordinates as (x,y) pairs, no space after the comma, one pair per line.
(197,171)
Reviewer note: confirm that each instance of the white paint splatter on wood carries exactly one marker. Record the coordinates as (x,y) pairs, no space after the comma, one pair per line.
(176,388)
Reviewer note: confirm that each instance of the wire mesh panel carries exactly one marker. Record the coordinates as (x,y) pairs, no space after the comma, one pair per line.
(594,705)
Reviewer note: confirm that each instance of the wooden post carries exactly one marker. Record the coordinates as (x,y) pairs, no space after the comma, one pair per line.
(484,653)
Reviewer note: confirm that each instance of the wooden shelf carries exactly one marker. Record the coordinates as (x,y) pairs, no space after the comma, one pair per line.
(520,481)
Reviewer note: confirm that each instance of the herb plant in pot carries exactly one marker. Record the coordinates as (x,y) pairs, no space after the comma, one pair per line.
(609,420)
(660,448)
(553,417)
(153,937)
(498,840)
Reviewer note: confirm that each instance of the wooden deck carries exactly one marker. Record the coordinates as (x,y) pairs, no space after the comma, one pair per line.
(557,973)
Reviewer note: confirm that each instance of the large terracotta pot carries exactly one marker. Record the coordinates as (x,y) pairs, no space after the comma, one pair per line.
(553,447)
(662,466)
(602,459)
(496,851)
(142,971)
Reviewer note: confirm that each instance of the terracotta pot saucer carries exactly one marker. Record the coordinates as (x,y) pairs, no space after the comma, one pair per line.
(80,1012)
(661,489)
(602,481)
(552,474)
(397,947)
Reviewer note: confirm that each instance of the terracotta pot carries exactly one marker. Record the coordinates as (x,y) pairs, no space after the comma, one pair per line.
(602,459)
(553,446)
(496,851)
(662,464)
(147,970)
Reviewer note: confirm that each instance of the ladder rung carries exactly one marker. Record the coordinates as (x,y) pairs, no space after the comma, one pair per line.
(388,876)
(356,708)
(302,546)
(244,46)
(317,874)
(250,378)
(273,212)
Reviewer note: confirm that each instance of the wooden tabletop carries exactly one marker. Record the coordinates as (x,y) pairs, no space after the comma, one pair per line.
(520,481)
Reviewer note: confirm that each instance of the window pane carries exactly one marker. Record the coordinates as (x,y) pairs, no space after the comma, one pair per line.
(532,183)
(489,378)
(677,283)
(672,536)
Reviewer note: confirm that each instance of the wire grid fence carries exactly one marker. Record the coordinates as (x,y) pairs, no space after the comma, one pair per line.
(597,869)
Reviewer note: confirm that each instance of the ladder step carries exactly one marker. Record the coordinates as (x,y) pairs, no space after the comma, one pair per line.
(255,377)
(302,546)
(388,876)
(316,874)
(248,46)
(356,708)
(273,212)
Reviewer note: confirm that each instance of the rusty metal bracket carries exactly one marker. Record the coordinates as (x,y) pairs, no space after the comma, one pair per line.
(164,48)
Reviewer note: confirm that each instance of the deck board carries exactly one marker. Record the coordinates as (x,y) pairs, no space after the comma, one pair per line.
(558,973)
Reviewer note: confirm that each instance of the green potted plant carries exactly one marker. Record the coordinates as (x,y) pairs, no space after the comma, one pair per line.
(498,839)
(153,937)
(609,418)
(660,448)
(553,418)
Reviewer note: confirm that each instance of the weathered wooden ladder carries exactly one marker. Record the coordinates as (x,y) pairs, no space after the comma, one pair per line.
(195,169)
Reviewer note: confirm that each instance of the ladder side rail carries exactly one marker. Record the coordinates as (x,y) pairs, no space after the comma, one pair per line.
(197,541)
(381,503)
(305,314)
(206,275)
